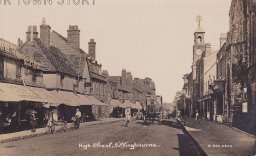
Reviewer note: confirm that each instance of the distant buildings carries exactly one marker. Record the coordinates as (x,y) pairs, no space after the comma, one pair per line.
(223,84)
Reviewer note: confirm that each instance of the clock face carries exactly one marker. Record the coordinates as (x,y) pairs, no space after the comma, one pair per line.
(199,52)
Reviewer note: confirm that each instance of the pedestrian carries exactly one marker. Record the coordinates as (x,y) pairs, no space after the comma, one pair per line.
(78,116)
(127,116)
(197,117)
(14,121)
(32,120)
(161,115)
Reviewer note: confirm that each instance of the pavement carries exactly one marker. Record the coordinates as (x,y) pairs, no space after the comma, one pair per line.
(112,139)
(42,131)
(219,139)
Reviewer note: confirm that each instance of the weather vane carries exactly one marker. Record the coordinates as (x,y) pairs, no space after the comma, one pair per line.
(199,19)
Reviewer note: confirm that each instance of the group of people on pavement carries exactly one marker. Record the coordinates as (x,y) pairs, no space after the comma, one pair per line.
(8,121)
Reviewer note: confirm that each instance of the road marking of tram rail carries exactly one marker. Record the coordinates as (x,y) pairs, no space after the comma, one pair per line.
(192,129)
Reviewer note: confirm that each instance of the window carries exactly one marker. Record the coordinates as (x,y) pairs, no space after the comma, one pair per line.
(33,76)
(18,71)
(62,80)
(1,67)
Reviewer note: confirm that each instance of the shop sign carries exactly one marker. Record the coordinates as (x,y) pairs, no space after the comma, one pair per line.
(245,107)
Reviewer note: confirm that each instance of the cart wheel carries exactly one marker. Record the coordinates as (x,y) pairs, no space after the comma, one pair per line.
(48,130)
(65,127)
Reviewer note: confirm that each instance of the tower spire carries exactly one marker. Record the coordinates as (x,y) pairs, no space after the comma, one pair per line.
(199,19)
(43,21)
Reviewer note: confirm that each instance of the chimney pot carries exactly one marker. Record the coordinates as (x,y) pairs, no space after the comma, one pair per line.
(92,49)
(45,31)
(31,33)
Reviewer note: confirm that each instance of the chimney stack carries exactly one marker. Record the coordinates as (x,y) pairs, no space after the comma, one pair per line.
(31,33)
(123,77)
(92,49)
(74,36)
(19,44)
(45,31)
(223,39)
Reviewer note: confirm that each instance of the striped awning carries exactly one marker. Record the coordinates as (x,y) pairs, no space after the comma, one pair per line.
(85,100)
(67,97)
(138,105)
(127,103)
(96,102)
(115,103)
(16,93)
(49,98)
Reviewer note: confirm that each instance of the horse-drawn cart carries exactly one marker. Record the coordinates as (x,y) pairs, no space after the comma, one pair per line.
(149,113)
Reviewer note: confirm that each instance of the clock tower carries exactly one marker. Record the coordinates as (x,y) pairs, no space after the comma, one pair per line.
(199,45)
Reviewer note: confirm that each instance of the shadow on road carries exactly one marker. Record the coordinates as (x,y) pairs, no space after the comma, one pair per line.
(188,147)
(187,144)
(172,124)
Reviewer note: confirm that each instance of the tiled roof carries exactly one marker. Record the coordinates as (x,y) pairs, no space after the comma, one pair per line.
(57,59)
(64,38)
(9,49)
(84,55)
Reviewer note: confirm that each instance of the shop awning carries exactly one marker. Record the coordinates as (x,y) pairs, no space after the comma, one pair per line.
(67,97)
(85,100)
(96,102)
(16,93)
(50,99)
(127,103)
(137,105)
(115,103)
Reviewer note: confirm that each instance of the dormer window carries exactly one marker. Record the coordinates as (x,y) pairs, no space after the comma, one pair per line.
(33,76)
(62,80)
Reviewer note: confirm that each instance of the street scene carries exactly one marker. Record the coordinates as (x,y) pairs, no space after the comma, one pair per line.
(112,78)
(105,134)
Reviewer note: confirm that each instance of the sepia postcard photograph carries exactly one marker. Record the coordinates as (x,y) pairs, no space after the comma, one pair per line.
(128,78)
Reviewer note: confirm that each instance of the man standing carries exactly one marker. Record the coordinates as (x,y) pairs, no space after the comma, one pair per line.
(78,116)
(33,121)
(127,116)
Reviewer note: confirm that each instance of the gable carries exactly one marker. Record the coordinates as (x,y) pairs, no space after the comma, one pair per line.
(32,51)
(76,57)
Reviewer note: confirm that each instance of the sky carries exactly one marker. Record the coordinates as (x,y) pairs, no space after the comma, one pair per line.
(149,38)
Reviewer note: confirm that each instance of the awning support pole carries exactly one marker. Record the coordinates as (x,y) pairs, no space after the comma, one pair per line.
(19,112)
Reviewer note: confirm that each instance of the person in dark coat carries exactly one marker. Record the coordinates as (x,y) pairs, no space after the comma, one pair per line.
(14,121)
(32,120)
